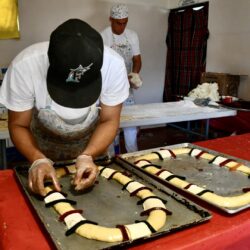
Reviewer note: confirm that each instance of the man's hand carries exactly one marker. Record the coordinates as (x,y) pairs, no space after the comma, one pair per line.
(86,172)
(40,171)
(134,80)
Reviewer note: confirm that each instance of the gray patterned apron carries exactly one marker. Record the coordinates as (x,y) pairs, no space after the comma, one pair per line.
(125,50)
(62,140)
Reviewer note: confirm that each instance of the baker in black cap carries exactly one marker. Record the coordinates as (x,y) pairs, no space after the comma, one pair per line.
(64,99)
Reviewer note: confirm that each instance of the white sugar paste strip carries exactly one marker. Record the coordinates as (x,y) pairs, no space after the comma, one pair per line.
(138,230)
(73,219)
(153,202)
(165,153)
(165,174)
(107,172)
(53,197)
(195,152)
(142,163)
(134,186)
(219,160)
(195,189)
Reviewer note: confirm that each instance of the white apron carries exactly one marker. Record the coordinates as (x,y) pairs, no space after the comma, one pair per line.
(125,50)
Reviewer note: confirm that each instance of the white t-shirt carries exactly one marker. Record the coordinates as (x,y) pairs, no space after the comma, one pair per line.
(131,35)
(24,85)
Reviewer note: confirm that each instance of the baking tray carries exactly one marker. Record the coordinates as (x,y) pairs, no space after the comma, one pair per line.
(108,205)
(200,172)
(239,105)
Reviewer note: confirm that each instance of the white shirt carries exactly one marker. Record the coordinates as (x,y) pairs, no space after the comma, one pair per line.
(130,35)
(24,85)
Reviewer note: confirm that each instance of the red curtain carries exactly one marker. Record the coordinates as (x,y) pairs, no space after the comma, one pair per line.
(186,50)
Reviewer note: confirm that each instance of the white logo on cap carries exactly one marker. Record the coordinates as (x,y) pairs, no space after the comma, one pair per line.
(75,75)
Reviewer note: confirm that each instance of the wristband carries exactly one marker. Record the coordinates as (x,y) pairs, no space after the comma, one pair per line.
(39,161)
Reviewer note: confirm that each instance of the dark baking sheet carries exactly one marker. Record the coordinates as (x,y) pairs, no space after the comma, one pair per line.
(220,180)
(108,205)
(237,105)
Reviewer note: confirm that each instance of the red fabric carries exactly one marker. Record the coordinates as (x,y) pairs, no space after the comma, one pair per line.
(239,123)
(20,229)
(238,145)
(186,56)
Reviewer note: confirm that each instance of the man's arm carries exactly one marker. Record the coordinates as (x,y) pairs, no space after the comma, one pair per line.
(134,78)
(136,64)
(106,130)
(19,127)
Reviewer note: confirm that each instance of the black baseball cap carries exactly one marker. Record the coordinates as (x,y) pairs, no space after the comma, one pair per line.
(75,55)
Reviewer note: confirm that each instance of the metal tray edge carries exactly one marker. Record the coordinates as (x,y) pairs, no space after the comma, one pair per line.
(138,153)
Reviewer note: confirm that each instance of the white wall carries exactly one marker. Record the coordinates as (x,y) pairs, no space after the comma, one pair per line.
(228,48)
(39,18)
(229,41)
(228,44)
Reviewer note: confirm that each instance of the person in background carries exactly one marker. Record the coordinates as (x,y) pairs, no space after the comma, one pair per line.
(126,43)
(64,99)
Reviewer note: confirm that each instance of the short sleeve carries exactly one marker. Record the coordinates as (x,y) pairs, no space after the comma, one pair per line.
(24,84)
(115,88)
(135,43)
(107,36)
(15,93)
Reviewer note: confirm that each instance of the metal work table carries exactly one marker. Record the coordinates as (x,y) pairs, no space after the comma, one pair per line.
(171,112)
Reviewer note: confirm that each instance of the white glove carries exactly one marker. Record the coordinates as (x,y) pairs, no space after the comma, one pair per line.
(135,80)
(86,172)
(41,170)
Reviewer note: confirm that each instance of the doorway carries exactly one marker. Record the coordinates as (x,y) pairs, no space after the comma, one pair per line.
(186,49)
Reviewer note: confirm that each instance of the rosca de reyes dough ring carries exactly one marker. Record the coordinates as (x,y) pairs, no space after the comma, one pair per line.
(153,206)
(162,154)
(243,199)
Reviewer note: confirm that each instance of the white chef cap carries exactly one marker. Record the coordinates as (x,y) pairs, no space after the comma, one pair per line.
(119,11)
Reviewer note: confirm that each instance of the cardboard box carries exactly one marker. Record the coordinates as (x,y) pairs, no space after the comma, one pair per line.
(228,84)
